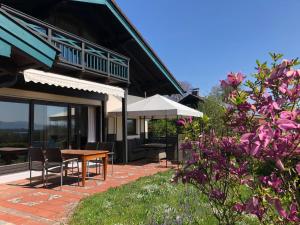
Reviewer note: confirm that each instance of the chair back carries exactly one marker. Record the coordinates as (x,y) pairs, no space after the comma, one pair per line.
(54,155)
(36,154)
(108,146)
(92,146)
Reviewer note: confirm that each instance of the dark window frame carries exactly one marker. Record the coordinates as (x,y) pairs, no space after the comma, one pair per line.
(32,102)
(134,130)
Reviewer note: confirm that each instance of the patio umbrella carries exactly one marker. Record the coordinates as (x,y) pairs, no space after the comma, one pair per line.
(158,107)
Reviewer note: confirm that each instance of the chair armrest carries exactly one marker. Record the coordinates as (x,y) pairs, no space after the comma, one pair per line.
(70,160)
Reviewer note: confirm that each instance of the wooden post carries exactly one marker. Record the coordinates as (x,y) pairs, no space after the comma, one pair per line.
(104,121)
(83,56)
(31,122)
(124,126)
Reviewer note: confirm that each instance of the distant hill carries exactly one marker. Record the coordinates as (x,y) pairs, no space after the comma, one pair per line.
(13,125)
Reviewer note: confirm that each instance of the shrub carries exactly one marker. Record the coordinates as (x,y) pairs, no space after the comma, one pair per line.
(260,152)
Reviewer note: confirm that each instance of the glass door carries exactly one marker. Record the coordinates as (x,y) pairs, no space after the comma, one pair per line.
(50,126)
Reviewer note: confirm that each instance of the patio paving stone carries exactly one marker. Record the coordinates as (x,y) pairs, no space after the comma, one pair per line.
(24,204)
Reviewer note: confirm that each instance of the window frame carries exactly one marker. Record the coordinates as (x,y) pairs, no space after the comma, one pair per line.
(135,127)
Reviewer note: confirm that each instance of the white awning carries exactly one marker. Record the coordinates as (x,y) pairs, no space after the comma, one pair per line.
(42,77)
(157,107)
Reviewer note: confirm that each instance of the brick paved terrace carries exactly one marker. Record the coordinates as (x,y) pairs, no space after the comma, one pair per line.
(24,204)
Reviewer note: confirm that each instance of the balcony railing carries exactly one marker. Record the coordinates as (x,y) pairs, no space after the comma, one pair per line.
(75,51)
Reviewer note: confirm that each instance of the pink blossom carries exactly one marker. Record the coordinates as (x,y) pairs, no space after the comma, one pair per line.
(288,115)
(298,168)
(272,181)
(233,80)
(279,208)
(286,124)
(293,213)
(239,207)
(279,164)
(253,206)
(265,134)
(181,122)
(217,194)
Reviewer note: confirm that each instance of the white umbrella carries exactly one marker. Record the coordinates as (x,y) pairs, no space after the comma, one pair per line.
(158,107)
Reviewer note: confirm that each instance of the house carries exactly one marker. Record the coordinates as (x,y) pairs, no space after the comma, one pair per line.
(192,99)
(63,64)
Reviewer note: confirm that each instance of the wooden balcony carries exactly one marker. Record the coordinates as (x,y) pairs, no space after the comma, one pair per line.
(75,51)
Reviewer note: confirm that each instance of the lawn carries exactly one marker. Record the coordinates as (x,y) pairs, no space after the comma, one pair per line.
(149,200)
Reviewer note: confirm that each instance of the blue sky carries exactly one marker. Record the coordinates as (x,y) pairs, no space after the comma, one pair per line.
(202,40)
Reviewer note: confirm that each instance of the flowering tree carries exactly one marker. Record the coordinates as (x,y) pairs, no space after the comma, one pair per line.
(260,152)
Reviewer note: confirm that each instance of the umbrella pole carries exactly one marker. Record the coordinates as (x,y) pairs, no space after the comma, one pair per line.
(166,140)
(145,129)
(177,147)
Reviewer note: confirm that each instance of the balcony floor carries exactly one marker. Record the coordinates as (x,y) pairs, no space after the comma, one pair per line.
(21,203)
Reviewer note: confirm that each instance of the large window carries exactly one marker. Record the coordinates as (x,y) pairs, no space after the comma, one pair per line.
(50,126)
(131,126)
(14,131)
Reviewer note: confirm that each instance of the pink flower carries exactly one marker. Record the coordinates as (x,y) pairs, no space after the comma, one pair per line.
(181,122)
(233,80)
(279,208)
(272,181)
(298,168)
(239,207)
(253,206)
(244,106)
(288,115)
(217,194)
(286,124)
(279,164)
(265,134)
(293,213)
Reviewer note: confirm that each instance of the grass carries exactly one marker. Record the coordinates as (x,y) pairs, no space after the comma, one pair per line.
(149,200)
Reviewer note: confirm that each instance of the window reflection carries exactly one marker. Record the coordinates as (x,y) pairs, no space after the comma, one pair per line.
(14,131)
(50,126)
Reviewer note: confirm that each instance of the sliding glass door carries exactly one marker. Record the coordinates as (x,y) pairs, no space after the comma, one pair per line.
(14,132)
(50,126)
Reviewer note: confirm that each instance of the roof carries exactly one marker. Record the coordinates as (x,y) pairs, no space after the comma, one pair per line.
(115,9)
(191,97)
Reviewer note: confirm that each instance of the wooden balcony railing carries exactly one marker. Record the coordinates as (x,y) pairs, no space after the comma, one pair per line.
(76,51)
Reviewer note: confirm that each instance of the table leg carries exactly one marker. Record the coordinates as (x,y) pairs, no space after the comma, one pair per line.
(105,162)
(83,171)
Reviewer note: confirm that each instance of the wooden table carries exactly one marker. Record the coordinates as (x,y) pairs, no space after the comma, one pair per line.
(86,155)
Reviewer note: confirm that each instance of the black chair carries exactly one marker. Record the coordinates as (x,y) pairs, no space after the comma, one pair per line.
(103,146)
(92,146)
(109,146)
(37,161)
(55,163)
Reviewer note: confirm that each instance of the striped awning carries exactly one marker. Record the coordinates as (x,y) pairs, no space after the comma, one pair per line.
(38,76)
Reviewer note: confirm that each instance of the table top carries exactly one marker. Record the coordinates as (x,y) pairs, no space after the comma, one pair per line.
(82,152)
(12,149)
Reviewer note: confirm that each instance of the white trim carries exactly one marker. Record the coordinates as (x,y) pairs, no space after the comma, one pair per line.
(38,76)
